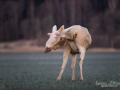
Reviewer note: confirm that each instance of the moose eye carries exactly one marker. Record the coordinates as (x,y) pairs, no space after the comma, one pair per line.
(61,39)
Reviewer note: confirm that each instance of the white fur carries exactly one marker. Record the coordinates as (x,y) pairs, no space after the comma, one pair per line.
(54,29)
(82,41)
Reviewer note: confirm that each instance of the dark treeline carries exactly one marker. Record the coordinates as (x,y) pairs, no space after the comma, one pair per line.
(32,19)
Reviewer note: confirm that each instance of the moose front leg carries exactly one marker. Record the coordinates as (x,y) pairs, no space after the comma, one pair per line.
(73,66)
(65,59)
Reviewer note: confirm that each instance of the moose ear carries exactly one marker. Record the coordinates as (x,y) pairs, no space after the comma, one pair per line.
(48,34)
(61,28)
(54,28)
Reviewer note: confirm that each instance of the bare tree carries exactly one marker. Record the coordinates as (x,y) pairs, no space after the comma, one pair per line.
(72,10)
(31,18)
(112,5)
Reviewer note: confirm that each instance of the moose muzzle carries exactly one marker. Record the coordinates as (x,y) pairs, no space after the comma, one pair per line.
(48,49)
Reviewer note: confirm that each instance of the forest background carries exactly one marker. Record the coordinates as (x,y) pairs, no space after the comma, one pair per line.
(33,19)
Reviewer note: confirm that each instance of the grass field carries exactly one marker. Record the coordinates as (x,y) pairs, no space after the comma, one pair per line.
(38,71)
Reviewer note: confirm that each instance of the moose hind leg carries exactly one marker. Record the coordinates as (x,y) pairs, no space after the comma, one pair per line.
(82,55)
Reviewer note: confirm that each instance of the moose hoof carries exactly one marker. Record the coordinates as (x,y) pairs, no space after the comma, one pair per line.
(81,79)
(73,78)
(58,79)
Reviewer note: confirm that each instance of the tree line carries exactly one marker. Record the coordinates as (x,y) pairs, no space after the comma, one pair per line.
(32,19)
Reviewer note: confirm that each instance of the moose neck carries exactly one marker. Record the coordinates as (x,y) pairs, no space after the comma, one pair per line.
(65,30)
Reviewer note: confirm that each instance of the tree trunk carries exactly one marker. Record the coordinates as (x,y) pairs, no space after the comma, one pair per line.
(78,11)
(72,10)
(111,32)
(57,13)
(31,18)
(16,22)
(63,13)
(112,5)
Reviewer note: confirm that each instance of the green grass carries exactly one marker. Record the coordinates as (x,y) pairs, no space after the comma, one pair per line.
(38,71)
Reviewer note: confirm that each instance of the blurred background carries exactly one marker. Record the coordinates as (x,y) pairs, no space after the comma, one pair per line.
(31,20)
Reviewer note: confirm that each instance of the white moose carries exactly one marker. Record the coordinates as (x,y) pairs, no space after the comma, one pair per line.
(75,39)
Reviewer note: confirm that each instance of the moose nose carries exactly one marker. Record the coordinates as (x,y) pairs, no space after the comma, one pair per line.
(47,47)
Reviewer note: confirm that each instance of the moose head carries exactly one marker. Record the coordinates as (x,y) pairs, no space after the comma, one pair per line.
(54,37)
